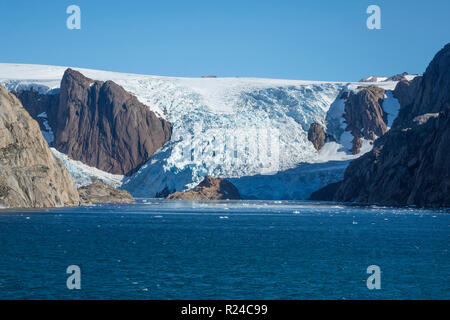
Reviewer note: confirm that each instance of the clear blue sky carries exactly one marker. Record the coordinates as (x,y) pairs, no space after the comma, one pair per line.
(303,39)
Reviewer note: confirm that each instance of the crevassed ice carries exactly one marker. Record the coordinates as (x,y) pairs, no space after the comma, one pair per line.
(202,135)
(83,174)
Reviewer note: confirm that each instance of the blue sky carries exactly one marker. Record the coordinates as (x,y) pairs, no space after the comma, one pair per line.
(311,40)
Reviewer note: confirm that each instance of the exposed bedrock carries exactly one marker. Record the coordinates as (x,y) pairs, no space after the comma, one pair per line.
(104,126)
(98,192)
(30,176)
(364,115)
(317,135)
(209,189)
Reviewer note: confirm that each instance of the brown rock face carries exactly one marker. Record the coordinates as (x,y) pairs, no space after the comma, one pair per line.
(317,135)
(409,164)
(364,115)
(209,189)
(98,192)
(30,176)
(104,126)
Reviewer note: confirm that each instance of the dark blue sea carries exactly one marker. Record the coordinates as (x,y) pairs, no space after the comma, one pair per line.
(225,250)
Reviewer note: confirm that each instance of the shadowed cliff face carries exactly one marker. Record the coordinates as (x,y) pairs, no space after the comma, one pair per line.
(36,103)
(409,164)
(42,107)
(30,176)
(104,126)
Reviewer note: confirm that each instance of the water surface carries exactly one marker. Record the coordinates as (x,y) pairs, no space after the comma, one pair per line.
(225,250)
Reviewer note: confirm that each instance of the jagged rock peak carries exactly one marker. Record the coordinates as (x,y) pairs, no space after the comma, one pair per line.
(104,126)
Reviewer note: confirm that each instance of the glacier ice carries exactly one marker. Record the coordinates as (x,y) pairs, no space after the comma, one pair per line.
(83,174)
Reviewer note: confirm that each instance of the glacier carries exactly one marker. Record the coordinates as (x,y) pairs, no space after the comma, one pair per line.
(252,131)
(83,174)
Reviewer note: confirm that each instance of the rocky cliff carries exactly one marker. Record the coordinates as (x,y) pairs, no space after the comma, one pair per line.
(209,189)
(409,164)
(104,126)
(30,176)
(98,123)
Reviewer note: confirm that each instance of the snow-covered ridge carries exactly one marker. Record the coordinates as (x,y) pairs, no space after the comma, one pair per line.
(220,111)
(219,94)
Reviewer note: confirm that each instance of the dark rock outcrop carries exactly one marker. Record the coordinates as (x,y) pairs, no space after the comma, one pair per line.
(317,135)
(104,126)
(98,192)
(209,189)
(37,103)
(409,164)
(364,115)
(30,176)
(163,193)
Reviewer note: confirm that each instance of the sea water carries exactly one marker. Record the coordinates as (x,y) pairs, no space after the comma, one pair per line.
(157,249)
